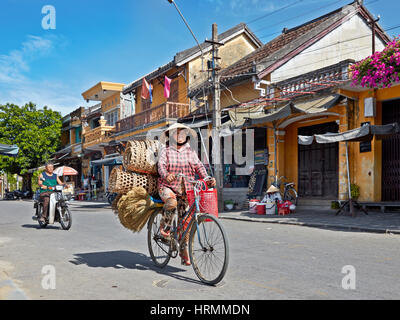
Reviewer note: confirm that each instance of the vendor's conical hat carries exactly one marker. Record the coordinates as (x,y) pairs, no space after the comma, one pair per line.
(164,138)
(272,189)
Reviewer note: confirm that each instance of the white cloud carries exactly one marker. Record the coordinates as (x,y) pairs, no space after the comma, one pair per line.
(17,85)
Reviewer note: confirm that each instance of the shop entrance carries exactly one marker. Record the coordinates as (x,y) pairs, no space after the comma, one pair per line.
(319,164)
(391,154)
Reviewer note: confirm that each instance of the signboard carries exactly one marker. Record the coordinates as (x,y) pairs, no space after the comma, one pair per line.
(261,157)
(365,146)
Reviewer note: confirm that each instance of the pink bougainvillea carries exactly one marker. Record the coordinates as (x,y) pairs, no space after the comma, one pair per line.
(380,70)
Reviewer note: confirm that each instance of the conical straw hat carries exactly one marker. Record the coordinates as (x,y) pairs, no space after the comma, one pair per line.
(164,138)
(272,189)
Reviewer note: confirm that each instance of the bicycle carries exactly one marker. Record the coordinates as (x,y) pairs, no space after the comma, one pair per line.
(289,192)
(208,251)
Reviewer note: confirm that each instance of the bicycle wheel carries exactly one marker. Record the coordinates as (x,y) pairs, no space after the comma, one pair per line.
(159,247)
(209,249)
(291,195)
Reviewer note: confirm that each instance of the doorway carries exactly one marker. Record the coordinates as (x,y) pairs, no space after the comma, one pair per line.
(318,164)
(391,154)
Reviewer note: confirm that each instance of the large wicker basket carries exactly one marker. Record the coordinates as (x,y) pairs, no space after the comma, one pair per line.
(141,156)
(122,182)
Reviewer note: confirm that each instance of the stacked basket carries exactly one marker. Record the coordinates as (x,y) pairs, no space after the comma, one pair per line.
(140,164)
(139,175)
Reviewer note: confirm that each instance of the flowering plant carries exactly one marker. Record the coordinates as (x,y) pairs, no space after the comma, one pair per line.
(379,70)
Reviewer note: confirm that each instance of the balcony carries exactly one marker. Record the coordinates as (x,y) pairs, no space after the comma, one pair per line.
(165,111)
(97,135)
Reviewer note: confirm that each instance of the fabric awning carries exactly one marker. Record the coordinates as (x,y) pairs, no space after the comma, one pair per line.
(107,161)
(310,106)
(9,150)
(320,104)
(364,133)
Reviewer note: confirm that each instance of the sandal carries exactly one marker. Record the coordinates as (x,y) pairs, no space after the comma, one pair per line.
(165,234)
(185,260)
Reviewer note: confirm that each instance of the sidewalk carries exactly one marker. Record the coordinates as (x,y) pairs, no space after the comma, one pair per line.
(308,216)
(325,218)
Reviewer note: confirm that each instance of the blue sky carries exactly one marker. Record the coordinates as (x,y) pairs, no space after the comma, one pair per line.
(121,40)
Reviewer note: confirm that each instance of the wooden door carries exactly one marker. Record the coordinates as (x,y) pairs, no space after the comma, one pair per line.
(318,164)
(391,154)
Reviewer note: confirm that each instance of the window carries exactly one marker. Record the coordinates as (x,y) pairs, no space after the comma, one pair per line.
(78,137)
(112,118)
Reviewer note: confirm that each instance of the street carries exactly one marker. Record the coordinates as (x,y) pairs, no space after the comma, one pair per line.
(99,259)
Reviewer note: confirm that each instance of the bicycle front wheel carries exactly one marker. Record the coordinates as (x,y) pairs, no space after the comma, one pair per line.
(209,249)
(159,247)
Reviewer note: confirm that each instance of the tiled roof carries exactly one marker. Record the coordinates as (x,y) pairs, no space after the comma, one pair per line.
(276,49)
(185,54)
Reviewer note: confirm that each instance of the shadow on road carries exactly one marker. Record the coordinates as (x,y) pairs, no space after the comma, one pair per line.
(36,226)
(123,259)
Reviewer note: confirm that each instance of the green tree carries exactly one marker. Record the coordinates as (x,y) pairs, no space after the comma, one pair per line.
(35,131)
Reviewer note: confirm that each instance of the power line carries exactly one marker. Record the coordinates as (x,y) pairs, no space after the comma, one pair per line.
(275,11)
(295,17)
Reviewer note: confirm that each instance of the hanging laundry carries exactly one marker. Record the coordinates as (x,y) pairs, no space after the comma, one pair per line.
(167,87)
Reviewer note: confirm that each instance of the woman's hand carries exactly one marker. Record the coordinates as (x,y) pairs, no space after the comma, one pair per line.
(212,182)
(170,178)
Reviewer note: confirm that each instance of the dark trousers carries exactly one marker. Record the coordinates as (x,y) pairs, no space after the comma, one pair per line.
(45,197)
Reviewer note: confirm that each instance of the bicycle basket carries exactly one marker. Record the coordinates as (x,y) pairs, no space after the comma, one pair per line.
(208,201)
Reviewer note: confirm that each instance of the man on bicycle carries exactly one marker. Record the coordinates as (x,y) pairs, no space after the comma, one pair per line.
(177,157)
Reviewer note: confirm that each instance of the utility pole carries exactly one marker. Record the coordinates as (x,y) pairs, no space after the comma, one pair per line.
(373,25)
(217,152)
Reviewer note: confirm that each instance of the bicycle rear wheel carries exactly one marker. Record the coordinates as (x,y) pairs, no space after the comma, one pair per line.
(291,195)
(209,249)
(159,247)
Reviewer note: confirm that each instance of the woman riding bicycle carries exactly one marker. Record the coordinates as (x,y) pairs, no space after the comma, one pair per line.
(177,157)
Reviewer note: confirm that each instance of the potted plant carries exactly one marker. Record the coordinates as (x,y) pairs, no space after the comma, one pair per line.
(355,191)
(229,204)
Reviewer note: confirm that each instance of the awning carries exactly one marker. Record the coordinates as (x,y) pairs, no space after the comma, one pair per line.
(9,150)
(107,161)
(310,106)
(320,104)
(364,133)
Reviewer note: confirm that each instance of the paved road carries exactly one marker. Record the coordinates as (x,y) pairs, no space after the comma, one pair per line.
(99,259)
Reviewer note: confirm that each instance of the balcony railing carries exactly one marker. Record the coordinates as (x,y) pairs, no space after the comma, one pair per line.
(168,110)
(97,135)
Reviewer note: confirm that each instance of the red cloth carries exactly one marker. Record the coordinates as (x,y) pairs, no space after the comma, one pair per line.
(175,161)
(145,89)
(167,87)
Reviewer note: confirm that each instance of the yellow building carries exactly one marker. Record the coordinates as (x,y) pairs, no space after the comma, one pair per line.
(186,70)
(99,124)
(293,86)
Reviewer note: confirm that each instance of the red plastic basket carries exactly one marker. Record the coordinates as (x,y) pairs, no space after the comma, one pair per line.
(208,201)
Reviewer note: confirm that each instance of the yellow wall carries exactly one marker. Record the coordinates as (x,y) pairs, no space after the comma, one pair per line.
(232,51)
(158,90)
(110,102)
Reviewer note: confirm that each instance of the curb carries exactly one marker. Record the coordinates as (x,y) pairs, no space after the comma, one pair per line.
(317,225)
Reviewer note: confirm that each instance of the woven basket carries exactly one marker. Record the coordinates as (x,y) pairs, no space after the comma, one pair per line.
(141,156)
(122,182)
